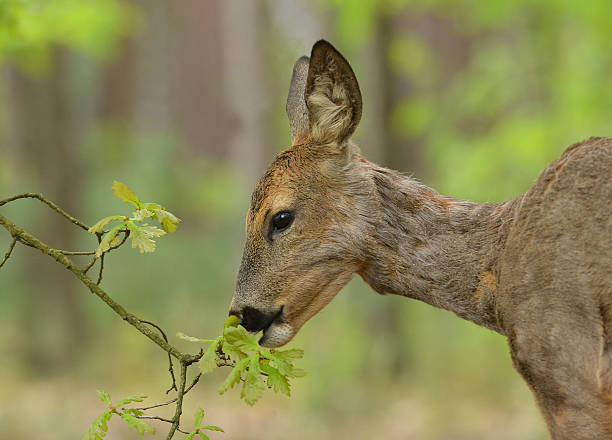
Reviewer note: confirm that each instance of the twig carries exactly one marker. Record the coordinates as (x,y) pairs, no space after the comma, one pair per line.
(169,402)
(176,420)
(8,253)
(52,205)
(100,272)
(75,252)
(170,366)
(126,234)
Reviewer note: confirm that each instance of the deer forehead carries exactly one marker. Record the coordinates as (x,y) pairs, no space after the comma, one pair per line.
(301,172)
(275,190)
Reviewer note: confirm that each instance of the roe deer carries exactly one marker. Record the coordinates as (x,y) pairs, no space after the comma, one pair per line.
(536,269)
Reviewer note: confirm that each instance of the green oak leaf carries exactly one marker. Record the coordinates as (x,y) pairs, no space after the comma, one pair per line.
(212,428)
(99,226)
(199,416)
(139,425)
(104,397)
(234,376)
(208,361)
(141,236)
(231,321)
(121,191)
(99,427)
(286,368)
(141,214)
(240,338)
(234,353)
(252,387)
(276,380)
(289,355)
(130,399)
(168,220)
(108,239)
(185,337)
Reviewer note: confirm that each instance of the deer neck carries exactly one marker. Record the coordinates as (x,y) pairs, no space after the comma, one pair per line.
(433,248)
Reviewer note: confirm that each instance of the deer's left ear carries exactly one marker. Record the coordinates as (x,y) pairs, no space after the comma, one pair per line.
(332,95)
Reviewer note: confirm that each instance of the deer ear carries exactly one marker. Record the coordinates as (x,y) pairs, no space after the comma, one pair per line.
(332,95)
(296,105)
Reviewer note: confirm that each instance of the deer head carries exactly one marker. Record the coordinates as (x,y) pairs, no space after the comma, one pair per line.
(302,231)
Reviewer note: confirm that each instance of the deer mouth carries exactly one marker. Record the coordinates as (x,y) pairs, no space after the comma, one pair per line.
(278,332)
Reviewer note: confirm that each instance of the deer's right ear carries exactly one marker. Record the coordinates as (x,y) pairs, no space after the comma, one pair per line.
(332,95)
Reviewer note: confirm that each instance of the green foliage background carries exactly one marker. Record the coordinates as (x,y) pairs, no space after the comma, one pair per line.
(522,81)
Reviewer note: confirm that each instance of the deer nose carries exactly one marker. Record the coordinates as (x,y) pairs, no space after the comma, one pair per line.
(254,320)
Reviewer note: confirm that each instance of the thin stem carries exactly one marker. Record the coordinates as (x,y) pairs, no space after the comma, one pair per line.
(170,366)
(126,234)
(179,401)
(169,402)
(100,272)
(75,252)
(49,203)
(9,252)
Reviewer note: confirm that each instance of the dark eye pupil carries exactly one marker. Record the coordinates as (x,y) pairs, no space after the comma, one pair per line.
(281,220)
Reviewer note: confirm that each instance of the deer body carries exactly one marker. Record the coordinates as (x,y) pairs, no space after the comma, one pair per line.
(537,269)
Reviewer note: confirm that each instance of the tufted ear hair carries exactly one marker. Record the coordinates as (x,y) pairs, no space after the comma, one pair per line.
(332,96)
(296,109)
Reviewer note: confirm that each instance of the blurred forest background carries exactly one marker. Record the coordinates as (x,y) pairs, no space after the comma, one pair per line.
(184,102)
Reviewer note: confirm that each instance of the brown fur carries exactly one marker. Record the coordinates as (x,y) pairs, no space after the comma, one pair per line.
(537,269)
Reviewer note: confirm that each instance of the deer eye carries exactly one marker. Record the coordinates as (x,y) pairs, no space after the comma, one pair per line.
(281,221)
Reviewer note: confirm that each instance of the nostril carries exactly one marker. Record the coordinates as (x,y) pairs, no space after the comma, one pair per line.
(253,320)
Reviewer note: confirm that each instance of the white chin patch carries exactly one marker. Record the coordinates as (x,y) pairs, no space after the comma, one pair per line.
(276,335)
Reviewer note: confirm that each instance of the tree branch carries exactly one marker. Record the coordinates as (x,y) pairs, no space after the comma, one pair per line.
(32,241)
(52,205)
(179,401)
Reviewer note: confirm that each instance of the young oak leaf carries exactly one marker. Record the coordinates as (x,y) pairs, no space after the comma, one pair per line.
(234,353)
(208,361)
(137,424)
(286,368)
(240,338)
(99,427)
(104,397)
(212,428)
(99,226)
(253,387)
(133,411)
(167,220)
(198,417)
(289,355)
(130,399)
(276,380)
(141,236)
(185,337)
(231,321)
(121,191)
(141,214)
(234,376)
(108,239)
